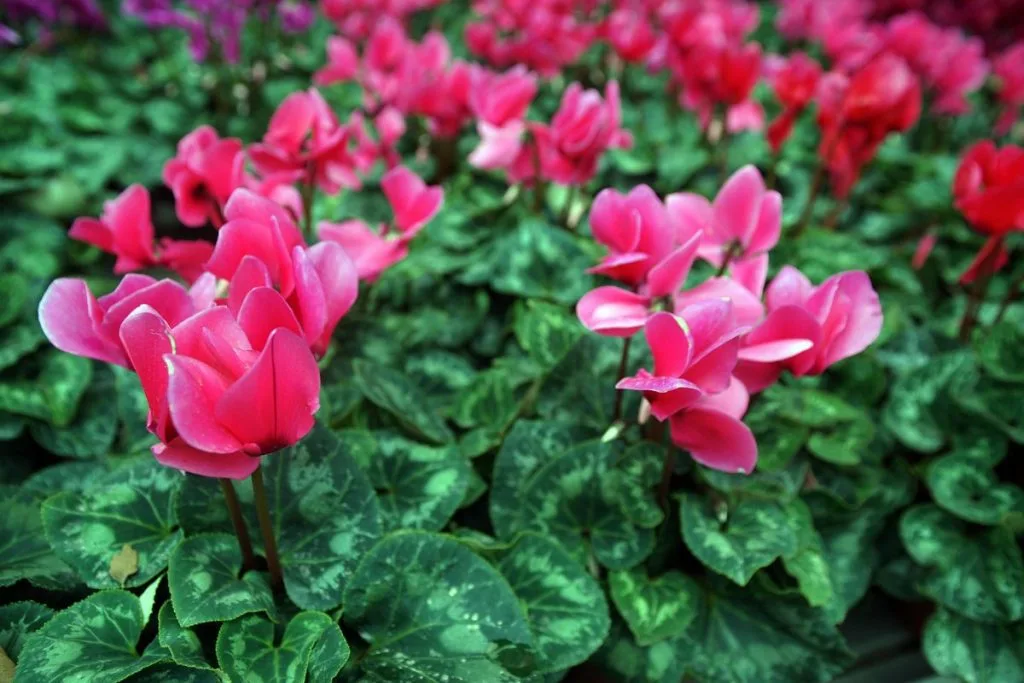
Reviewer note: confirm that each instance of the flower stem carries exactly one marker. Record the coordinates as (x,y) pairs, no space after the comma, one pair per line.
(731,252)
(1011,295)
(238,522)
(570,199)
(986,269)
(267,529)
(668,464)
(623,362)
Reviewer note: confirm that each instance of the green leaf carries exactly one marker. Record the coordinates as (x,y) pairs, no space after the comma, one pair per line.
(131,506)
(746,635)
(626,662)
(325,514)
(908,413)
(489,401)
(844,444)
(634,482)
(546,332)
(570,499)
(418,486)
(534,260)
(182,644)
(779,484)
(655,609)
(394,393)
(247,649)
(17,621)
(852,555)
(91,432)
(15,291)
(971,491)
(63,380)
(329,655)
(93,640)
(565,606)
(18,341)
(810,407)
(577,390)
(529,446)
(24,552)
(429,609)
(974,652)
(979,574)
(132,410)
(737,541)
(442,375)
(175,673)
(1001,351)
(808,564)
(205,585)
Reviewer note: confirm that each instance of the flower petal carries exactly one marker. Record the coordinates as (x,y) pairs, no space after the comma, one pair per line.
(262,312)
(70,316)
(272,406)
(181,456)
(612,312)
(715,440)
(147,338)
(193,390)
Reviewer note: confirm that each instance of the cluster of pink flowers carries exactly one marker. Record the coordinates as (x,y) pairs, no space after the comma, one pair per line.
(730,336)
(229,365)
(712,66)
(949,64)
(402,77)
(542,35)
(356,19)
(566,150)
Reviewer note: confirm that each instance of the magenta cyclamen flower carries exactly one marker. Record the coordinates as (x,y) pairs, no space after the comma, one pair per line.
(744,220)
(695,353)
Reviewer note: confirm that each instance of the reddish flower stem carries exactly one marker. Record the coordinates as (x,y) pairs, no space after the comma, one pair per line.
(238,522)
(979,289)
(623,363)
(267,529)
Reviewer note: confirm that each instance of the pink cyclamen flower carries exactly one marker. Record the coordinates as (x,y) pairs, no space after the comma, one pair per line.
(77,322)
(499,103)
(223,391)
(630,34)
(305,137)
(202,176)
(584,127)
(413,204)
(342,62)
(260,248)
(125,229)
(840,317)
(695,353)
(744,220)
(636,230)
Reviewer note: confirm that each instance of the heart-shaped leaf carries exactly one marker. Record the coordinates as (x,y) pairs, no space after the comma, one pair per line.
(979,574)
(972,651)
(970,491)
(131,506)
(528,447)
(565,606)
(1000,351)
(418,486)
(430,609)
(92,431)
(570,500)
(205,584)
(17,621)
(247,649)
(655,609)
(93,641)
(738,541)
(24,552)
(393,392)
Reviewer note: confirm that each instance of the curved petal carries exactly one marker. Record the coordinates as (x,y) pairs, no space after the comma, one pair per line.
(746,306)
(737,206)
(69,316)
(168,298)
(790,287)
(666,395)
(250,274)
(272,406)
(863,322)
(339,278)
(668,277)
(147,339)
(309,295)
(190,335)
(769,225)
(733,401)
(412,201)
(193,390)
(786,333)
(203,291)
(181,456)
(263,312)
(757,377)
(715,440)
(690,214)
(629,267)
(612,312)
(671,343)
